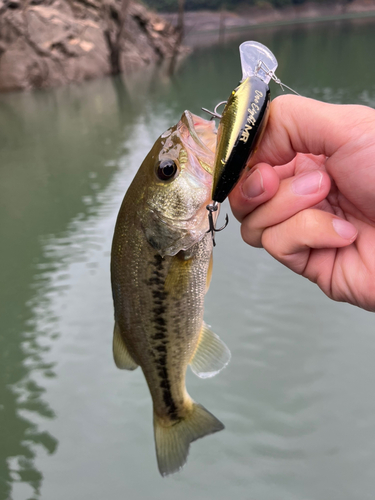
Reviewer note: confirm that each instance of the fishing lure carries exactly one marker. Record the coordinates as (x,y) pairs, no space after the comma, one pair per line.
(242,123)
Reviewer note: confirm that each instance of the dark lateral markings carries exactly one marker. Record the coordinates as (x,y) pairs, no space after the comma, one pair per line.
(160,337)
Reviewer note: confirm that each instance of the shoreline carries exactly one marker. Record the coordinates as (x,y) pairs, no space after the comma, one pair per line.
(207,25)
(58,42)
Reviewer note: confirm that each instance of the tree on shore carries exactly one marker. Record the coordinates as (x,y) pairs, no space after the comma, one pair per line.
(180,36)
(115,20)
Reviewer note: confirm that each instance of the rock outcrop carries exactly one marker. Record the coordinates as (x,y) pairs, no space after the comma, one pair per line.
(45,43)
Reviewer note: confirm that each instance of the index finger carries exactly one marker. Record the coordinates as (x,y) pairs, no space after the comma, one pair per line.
(302,125)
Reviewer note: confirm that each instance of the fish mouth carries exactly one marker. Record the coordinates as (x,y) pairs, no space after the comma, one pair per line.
(204,134)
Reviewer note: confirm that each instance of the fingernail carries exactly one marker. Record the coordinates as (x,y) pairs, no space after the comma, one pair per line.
(253,185)
(344,229)
(308,183)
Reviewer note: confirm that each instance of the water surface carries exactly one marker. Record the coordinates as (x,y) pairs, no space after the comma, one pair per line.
(297,398)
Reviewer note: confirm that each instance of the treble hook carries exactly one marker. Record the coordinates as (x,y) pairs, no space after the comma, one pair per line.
(214,113)
(212,229)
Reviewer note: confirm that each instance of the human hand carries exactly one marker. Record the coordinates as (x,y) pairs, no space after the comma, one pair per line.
(309,199)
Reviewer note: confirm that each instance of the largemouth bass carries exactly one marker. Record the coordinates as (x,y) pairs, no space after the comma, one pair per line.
(160,268)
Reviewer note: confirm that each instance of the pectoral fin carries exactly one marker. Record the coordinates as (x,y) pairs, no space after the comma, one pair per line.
(121,354)
(211,355)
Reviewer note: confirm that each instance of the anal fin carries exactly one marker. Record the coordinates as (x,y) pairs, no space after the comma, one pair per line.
(121,354)
(211,355)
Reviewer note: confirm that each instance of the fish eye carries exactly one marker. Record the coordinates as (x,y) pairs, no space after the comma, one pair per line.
(166,170)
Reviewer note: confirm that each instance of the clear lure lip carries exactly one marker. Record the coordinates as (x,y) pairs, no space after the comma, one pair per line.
(257,60)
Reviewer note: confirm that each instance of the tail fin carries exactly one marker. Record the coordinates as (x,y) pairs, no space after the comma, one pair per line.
(173,442)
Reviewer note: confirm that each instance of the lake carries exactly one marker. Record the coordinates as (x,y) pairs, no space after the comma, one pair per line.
(297,398)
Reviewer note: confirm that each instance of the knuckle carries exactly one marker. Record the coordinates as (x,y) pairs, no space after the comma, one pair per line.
(280,104)
(307,221)
(250,235)
(276,241)
(269,242)
(283,246)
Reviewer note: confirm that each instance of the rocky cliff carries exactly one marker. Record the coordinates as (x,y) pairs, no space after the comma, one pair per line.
(45,43)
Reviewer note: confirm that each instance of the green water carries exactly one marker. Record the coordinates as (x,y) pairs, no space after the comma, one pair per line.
(298,396)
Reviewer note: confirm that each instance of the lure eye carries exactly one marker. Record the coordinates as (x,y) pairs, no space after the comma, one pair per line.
(166,170)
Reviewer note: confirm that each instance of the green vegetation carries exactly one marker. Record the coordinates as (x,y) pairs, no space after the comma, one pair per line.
(172,5)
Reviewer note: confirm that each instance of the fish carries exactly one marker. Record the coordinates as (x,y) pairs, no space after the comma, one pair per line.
(161,266)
